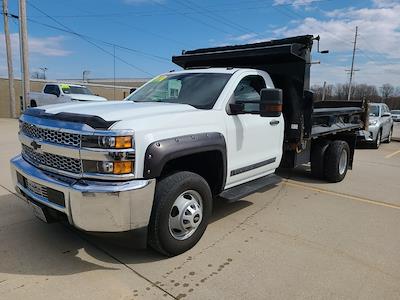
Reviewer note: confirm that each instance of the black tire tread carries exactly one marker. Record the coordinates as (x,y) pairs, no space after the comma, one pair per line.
(317,158)
(331,161)
(164,187)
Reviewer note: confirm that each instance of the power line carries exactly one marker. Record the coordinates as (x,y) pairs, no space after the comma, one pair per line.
(189,12)
(192,19)
(99,40)
(212,15)
(89,41)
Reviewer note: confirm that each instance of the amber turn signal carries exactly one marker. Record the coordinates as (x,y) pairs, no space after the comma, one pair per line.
(122,142)
(122,167)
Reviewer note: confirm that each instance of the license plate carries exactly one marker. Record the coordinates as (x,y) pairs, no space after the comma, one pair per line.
(38,211)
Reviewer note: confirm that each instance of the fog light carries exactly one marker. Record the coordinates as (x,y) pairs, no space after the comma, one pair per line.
(106,167)
(122,167)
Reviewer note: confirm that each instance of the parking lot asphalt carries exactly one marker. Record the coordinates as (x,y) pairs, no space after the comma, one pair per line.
(302,239)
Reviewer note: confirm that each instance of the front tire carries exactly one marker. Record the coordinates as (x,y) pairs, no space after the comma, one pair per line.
(181,211)
(378,139)
(336,161)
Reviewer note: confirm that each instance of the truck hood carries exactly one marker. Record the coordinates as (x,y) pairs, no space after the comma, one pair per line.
(84,97)
(120,110)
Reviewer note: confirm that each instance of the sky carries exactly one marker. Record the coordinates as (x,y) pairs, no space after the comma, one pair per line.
(68,37)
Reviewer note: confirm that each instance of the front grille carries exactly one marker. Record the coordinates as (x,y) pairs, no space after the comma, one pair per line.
(50,135)
(36,188)
(58,162)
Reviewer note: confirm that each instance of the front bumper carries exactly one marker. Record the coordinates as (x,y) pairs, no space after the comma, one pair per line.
(98,206)
(368,136)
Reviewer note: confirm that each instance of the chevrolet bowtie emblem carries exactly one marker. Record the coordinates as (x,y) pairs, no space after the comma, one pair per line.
(35,145)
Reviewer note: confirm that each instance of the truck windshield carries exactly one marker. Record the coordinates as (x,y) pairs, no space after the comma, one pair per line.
(200,90)
(374,110)
(69,89)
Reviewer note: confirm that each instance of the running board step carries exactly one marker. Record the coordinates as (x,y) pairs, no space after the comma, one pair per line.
(238,192)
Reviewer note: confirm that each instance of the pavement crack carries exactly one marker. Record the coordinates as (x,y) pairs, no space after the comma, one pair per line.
(121,262)
(13,193)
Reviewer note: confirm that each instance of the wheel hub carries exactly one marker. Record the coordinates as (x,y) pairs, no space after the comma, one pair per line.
(186,215)
(343,162)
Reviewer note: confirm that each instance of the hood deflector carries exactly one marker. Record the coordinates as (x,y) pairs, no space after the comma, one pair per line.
(93,121)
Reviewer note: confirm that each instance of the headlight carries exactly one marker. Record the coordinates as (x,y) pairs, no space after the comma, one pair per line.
(107,142)
(373,122)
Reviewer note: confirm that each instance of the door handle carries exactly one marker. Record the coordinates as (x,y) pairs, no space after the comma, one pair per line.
(274,122)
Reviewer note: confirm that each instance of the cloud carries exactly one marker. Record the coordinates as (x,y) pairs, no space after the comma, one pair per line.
(38,48)
(295,3)
(243,37)
(46,46)
(371,72)
(385,3)
(378,55)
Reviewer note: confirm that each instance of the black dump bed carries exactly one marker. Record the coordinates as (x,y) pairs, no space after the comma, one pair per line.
(288,62)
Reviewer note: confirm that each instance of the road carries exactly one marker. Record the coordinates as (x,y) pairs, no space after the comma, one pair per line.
(302,239)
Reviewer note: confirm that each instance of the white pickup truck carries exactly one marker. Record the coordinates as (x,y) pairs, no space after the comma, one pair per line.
(157,161)
(55,93)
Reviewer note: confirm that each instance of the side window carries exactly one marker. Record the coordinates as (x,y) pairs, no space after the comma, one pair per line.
(52,89)
(49,89)
(249,90)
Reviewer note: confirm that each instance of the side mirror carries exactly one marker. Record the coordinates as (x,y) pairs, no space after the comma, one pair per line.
(387,114)
(271,103)
(55,93)
(236,108)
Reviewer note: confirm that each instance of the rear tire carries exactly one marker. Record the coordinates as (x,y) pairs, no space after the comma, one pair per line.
(336,161)
(168,232)
(317,158)
(389,138)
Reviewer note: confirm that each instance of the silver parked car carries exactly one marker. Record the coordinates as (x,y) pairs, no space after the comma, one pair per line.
(380,125)
(395,115)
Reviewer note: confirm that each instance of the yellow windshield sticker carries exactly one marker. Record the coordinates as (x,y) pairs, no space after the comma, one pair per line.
(159,78)
(64,86)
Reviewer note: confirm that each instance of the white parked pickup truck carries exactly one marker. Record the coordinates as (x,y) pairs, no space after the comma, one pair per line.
(157,161)
(55,93)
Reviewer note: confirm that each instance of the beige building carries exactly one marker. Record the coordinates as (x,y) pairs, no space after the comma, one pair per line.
(101,87)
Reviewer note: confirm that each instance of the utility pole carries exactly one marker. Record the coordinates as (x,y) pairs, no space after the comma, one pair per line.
(23,40)
(114,73)
(324,91)
(9,61)
(84,73)
(44,72)
(352,63)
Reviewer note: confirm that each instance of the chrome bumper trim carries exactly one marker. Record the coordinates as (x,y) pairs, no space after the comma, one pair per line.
(101,206)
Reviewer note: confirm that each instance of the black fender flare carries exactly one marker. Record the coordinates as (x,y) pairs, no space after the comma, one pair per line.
(160,152)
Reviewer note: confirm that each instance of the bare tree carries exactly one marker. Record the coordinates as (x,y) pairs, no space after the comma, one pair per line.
(386,90)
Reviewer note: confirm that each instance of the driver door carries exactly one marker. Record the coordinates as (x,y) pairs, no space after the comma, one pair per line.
(255,142)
